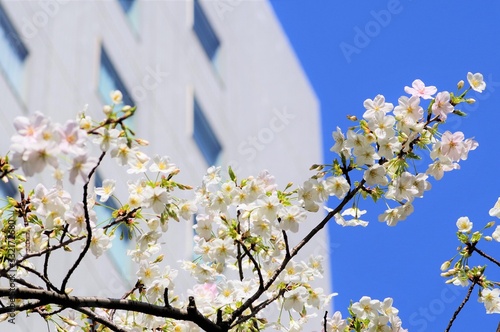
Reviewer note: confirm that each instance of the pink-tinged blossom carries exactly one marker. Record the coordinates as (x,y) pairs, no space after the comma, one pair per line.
(106,138)
(452,145)
(72,138)
(439,166)
(409,108)
(476,81)
(30,127)
(75,218)
(82,165)
(122,152)
(442,106)
(420,90)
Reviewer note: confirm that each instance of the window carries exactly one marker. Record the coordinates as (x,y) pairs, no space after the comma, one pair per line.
(109,80)
(204,136)
(12,52)
(119,247)
(205,32)
(7,190)
(127,5)
(130,9)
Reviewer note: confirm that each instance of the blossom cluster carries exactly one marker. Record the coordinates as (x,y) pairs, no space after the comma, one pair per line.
(244,260)
(389,137)
(461,274)
(367,315)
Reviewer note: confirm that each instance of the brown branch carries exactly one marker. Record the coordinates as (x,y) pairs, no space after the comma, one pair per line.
(100,320)
(237,313)
(460,307)
(42,252)
(191,313)
(480,252)
(87,221)
(259,273)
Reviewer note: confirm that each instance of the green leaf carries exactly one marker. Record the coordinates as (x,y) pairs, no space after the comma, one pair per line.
(231,174)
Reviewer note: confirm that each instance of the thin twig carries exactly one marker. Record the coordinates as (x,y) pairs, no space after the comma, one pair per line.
(455,314)
(42,252)
(259,273)
(87,221)
(100,320)
(46,264)
(480,252)
(237,313)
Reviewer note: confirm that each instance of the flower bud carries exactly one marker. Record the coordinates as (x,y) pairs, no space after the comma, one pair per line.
(460,84)
(470,101)
(490,224)
(107,110)
(445,266)
(116,97)
(352,118)
(488,238)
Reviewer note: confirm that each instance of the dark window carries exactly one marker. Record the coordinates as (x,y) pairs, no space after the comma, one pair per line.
(109,80)
(204,136)
(119,247)
(7,190)
(126,4)
(12,51)
(204,31)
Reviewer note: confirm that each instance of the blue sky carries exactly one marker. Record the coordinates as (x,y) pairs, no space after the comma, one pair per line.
(354,50)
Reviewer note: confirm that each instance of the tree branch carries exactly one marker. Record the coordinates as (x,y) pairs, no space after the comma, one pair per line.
(480,252)
(87,221)
(460,307)
(295,251)
(76,302)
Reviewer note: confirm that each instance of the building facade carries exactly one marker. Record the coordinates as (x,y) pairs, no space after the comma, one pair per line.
(215,82)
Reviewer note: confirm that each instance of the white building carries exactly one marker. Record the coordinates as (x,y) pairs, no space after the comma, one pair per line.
(214,82)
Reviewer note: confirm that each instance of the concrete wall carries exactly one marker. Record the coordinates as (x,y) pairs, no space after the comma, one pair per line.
(256,96)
